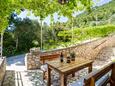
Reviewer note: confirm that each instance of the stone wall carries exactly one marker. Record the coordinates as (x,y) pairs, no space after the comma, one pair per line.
(32,59)
(87,50)
(2,69)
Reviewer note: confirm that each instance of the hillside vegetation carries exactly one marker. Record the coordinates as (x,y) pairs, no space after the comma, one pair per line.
(99,16)
(80,34)
(99,23)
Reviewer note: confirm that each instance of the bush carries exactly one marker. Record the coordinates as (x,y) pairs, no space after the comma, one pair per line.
(87,33)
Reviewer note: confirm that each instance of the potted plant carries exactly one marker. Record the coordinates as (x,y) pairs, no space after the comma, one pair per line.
(72,54)
(68,59)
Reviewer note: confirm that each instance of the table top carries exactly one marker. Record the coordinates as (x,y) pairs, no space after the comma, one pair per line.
(64,67)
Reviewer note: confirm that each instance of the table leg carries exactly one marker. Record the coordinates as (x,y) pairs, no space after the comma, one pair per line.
(63,80)
(49,77)
(90,68)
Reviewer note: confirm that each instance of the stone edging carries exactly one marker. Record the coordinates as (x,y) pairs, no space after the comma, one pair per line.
(2,69)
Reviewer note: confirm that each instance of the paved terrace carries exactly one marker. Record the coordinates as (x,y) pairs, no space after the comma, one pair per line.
(17,75)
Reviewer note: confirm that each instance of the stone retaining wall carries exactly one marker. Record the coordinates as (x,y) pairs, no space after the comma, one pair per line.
(87,50)
(32,59)
(2,69)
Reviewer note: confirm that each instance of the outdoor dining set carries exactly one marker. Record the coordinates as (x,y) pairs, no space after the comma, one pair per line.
(66,66)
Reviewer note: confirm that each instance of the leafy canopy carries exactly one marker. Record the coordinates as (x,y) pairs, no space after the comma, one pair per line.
(40,8)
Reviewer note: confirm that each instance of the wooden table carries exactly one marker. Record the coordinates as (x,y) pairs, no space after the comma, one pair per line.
(65,69)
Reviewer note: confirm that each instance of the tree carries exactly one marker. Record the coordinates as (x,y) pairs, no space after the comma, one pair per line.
(40,7)
(23,29)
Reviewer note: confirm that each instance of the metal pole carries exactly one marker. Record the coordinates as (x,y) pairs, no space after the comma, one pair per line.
(41,35)
(96,19)
(1,44)
(72,29)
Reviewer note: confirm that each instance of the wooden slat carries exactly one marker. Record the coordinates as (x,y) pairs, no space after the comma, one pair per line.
(56,63)
(66,69)
(113,75)
(96,75)
(63,67)
(44,58)
(75,65)
(105,81)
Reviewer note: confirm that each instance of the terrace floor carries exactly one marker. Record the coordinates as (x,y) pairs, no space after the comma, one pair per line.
(17,75)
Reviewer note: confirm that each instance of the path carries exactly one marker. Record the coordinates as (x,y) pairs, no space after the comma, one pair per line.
(17,75)
(16,63)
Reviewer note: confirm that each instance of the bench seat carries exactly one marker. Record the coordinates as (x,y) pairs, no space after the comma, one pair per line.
(98,83)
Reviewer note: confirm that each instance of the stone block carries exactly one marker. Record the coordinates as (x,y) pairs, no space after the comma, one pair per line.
(2,69)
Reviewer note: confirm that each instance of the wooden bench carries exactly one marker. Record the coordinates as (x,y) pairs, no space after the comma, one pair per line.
(93,77)
(44,58)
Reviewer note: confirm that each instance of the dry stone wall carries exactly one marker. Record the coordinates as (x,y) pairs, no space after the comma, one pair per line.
(87,50)
(32,59)
(2,69)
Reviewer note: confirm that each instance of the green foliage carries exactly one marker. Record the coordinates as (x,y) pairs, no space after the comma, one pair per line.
(25,35)
(113,60)
(21,39)
(9,44)
(40,8)
(29,37)
(101,15)
(87,33)
(72,54)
